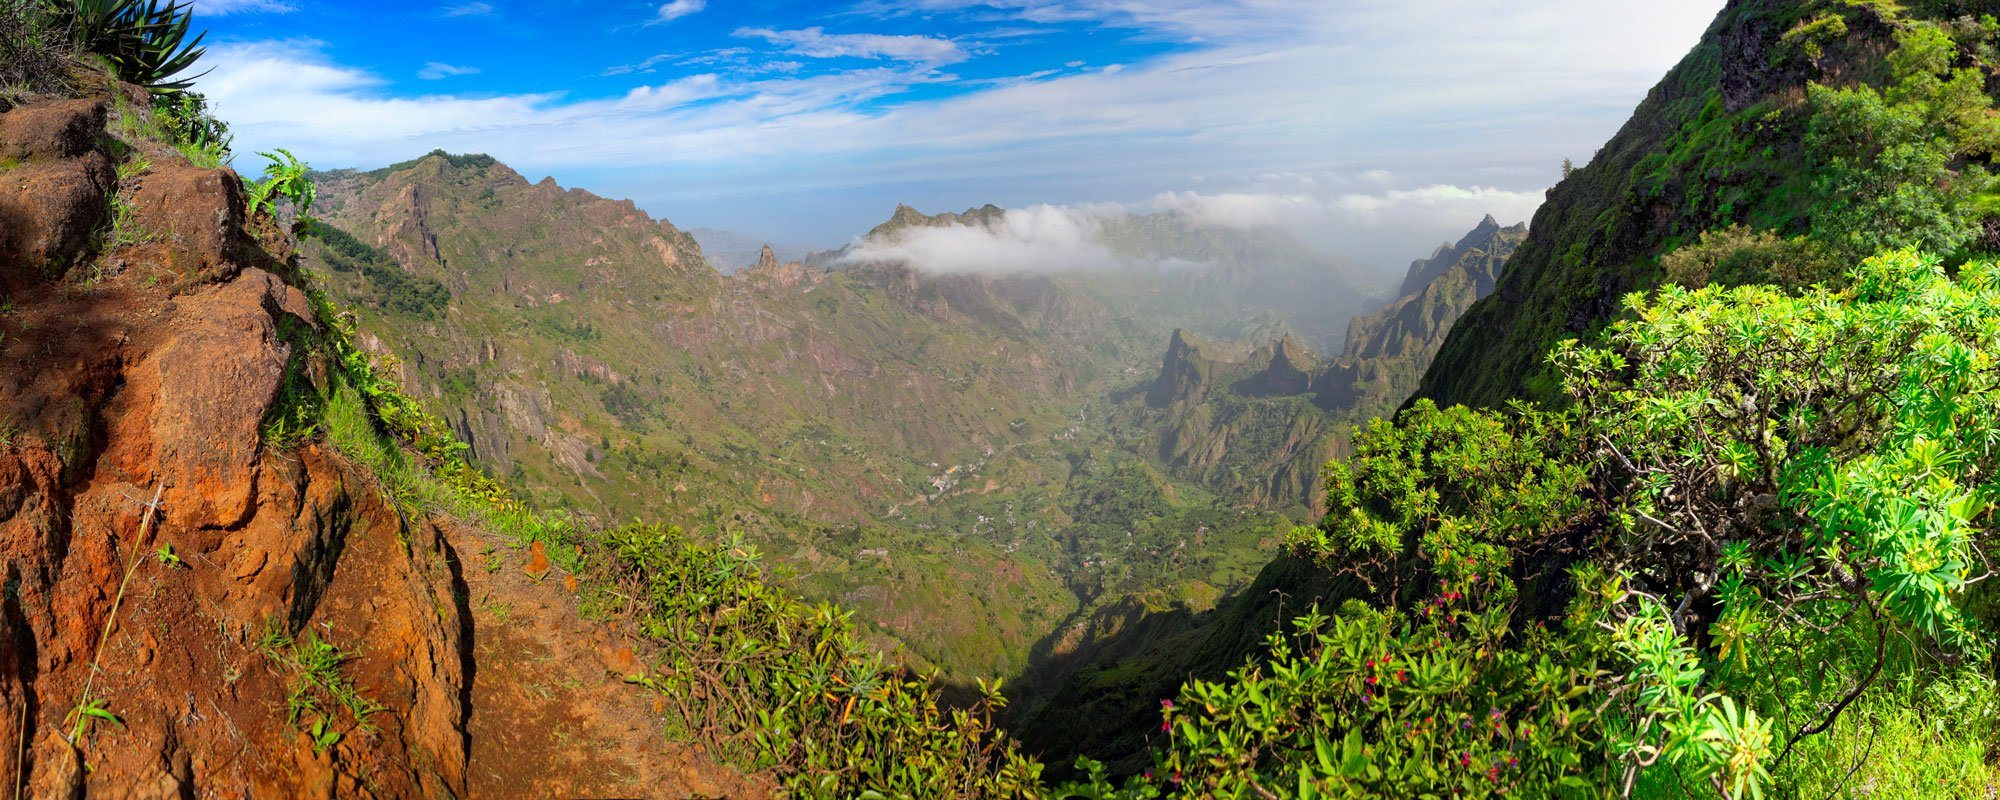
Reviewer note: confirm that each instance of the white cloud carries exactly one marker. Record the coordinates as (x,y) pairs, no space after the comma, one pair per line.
(1040,239)
(438,70)
(1440,206)
(680,8)
(1442,202)
(1243,211)
(469,10)
(644,66)
(691,89)
(218,8)
(817,43)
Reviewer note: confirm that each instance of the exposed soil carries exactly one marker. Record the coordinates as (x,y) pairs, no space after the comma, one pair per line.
(552,715)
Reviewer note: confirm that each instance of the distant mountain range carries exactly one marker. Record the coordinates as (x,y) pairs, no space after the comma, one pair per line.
(958,457)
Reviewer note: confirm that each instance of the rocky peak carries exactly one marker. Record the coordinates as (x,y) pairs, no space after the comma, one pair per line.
(1288,370)
(1425,271)
(1185,373)
(767,259)
(907,217)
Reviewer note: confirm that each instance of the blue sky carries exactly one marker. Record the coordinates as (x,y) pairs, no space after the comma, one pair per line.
(1373,128)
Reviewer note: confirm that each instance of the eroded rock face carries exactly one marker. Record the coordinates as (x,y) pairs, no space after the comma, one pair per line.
(217,376)
(125,390)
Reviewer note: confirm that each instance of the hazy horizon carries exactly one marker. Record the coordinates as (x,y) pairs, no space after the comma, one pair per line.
(1370,130)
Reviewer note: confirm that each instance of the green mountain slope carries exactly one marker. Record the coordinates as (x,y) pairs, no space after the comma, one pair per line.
(1261,422)
(1734,136)
(930,450)
(1736,542)
(590,355)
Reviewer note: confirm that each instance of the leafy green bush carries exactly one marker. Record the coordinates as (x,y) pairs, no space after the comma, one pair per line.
(1889,166)
(185,120)
(1805,478)
(1736,255)
(1444,702)
(1447,495)
(285,178)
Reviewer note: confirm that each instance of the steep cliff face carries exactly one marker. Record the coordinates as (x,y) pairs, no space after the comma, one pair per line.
(1185,373)
(1388,351)
(196,604)
(1239,424)
(1719,141)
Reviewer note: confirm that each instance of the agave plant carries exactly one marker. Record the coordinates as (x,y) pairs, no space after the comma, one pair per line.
(146,43)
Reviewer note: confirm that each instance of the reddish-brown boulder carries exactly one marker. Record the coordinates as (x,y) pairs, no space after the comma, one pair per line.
(54,183)
(216,376)
(199,215)
(52,130)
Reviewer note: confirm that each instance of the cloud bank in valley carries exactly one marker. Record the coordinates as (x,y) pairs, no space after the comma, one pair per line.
(1040,239)
(1049,239)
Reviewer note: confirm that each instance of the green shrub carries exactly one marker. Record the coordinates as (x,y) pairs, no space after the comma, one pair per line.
(185,120)
(1446,495)
(1802,480)
(1736,255)
(285,178)
(1888,162)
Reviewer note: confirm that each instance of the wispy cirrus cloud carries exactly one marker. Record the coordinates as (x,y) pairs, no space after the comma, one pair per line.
(468,10)
(438,70)
(219,8)
(817,43)
(679,8)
